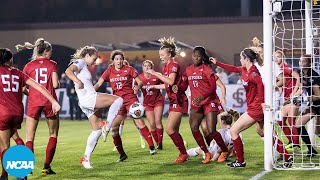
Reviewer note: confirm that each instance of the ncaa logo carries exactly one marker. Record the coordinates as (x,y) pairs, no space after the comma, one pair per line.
(18,161)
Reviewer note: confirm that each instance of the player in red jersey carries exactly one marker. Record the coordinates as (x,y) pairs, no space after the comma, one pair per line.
(254,88)
(11,114)
(120,78)
(153,102)
(202,83)
(44,71)
(171,75)
(289,82)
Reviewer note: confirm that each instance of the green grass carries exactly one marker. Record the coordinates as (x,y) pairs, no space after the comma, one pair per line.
(72,140)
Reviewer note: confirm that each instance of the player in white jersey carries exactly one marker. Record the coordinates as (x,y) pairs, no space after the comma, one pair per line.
(90,101)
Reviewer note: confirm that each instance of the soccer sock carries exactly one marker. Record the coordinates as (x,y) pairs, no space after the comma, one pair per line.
(238,148)
(29,144)
(118,143)
(218,138)
(286,130)
(281,149)
(3,170)
(160,135)
(295,134)
(305,137)
(207,138)
(51,149)
(147,135)
(155,136)
(178,141)
(91,143)
(113,111)
(19,141)
(120,129)
(199,139)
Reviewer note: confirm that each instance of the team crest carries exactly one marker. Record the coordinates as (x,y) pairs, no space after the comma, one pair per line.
(174,69)
(254,74)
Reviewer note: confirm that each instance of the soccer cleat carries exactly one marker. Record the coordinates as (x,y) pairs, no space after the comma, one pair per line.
(181,158)
(237,164)
(105,133)
(311,154)
(122,157)
(142,143)
(48,171)
(159,147)
(152,152)
(288,163)
(223,157)
(86,163)
(207,158)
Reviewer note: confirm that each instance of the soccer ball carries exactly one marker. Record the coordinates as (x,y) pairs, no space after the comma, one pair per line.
(136,110)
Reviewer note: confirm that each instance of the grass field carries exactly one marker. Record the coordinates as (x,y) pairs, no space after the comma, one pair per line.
(140,165)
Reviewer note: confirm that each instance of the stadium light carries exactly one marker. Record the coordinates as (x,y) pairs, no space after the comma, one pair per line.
(183,54)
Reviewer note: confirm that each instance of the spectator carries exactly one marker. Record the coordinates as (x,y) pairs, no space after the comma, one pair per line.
(63,81)
(223,76)
(73,100)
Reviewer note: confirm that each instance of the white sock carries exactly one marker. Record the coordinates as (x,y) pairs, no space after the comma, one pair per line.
(120,129)
(113,111)
(192,152)
(262,138)
(91,143)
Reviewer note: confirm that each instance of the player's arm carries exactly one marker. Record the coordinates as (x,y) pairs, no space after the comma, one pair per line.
(159,86)
(55,105)
(225,66)
(296,91)
(55,80)
(139,84)
(25,90)
(70,73)
(316,95)
(168,80)
(98,84)
(223,91)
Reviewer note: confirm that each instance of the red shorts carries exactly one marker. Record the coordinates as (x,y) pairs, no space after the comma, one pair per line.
(10,122)
(35,111)
(206,108)
(220,107)
(150,107)
(258,116)
(123,111)
(183,107)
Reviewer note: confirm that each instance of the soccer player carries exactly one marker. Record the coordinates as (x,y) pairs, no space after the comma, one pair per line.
(120,78)
(202,83)
(289,82)
(254,88)
(11,114)
(90,101)
(153,102)
(171,75)
(310,84)
(45,72)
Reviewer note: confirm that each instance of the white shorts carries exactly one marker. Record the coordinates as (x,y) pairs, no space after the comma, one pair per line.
(87,101)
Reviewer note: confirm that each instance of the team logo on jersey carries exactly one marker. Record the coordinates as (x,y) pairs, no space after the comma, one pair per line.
(174,69)
(201,69)
(253,73)
(125,71)
(154,79)
(194,73)
(118,74)
(41,62)
(148,82)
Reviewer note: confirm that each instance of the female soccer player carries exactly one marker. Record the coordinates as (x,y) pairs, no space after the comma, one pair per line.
(170,76)
(11,114)
(202,83)
(290,82)
(120,78)
(254,88)
(90,101)
(45,72)
(153,102)
(310,84)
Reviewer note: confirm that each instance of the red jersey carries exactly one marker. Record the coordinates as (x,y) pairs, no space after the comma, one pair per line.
(151,96)
(289,81)
(121,81)
(180,96)
(202,82)
(12,81)
(252,84)
(41,70)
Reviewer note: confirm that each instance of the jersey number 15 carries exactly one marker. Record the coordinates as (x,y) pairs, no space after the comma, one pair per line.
(41,74)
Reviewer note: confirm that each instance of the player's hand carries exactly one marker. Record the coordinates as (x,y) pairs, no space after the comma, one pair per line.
(175,89)
(135,89)
(197,100)
(166,97)
(150,87)
(151,71)
(56,107)
(223,100)
(80,85)
(213,60)
(265,106)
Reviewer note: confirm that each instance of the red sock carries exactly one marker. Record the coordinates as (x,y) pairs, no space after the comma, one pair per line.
(51,149)
(199,139)
(160,135)
(29,144)
(207,138)
(286,130)
(238,148)
(118,143)
(19,141)
(3,170)
(155,136)
(218,138)
(295,134)
(178,141)
(282,150)
(147,135)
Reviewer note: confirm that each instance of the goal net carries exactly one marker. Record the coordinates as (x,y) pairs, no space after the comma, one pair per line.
(296,28)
